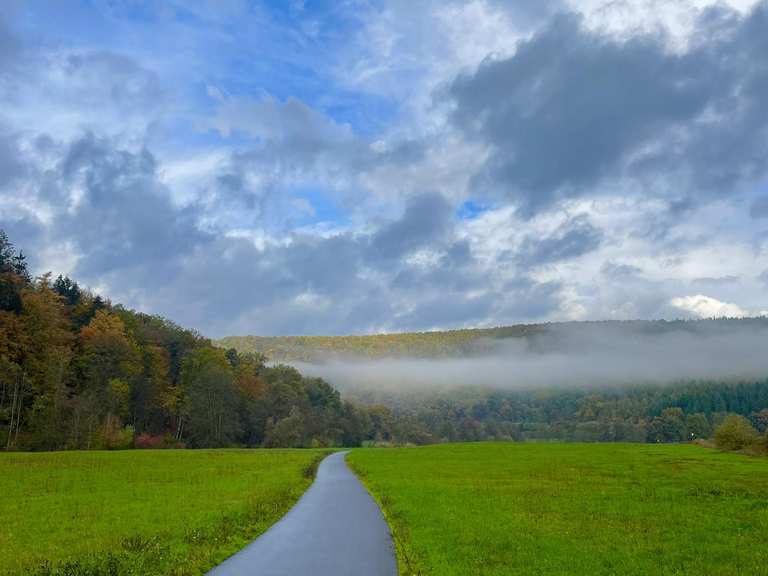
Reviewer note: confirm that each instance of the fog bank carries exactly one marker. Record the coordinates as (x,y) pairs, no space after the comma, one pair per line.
(599,355)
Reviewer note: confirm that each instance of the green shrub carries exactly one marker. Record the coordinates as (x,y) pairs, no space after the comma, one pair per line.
(735,433)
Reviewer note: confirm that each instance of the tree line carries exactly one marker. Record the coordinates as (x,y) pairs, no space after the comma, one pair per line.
(675,412)
(78,372)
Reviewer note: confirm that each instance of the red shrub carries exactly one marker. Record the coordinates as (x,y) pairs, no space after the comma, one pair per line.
(149,441)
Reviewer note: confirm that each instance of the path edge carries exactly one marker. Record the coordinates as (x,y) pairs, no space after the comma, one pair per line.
(406,564)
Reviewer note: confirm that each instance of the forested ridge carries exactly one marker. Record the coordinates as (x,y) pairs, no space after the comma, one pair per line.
(439,344)
(671,411)
(78,372)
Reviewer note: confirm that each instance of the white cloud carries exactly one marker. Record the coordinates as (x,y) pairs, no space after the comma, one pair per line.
(674,19)
(405,50)
(706,307)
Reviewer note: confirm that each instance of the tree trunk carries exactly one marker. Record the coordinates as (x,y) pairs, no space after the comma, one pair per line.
(13,413)
(20,404)
(180,429)
(76,430)
(18,415)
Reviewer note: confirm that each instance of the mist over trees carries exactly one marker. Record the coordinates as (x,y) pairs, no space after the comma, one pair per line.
(638,381)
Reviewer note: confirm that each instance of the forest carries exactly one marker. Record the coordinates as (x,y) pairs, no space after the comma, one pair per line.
(459,385)
(675,412)
(79,372)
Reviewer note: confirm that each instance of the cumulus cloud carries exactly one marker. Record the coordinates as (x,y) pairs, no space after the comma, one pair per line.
(573,109)
(423,224)
(108,204)
(706,307)
(573,238)
(307,179)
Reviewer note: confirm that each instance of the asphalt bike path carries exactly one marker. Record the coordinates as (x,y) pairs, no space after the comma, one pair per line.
(335,529)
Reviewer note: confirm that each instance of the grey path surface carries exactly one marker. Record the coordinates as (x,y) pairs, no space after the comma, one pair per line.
(335,529)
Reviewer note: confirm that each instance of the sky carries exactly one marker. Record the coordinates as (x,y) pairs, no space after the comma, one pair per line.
(360,166)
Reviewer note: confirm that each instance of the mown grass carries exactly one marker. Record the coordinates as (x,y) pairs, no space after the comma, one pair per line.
(592,509)
(141,512)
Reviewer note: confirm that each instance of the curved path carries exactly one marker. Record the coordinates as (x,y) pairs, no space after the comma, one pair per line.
(335,529)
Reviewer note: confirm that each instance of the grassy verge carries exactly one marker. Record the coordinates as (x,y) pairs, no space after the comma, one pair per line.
(521,509)
(141,512)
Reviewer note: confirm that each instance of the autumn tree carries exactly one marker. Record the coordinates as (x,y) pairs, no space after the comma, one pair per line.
(209,414)
(109,365)
(46,362)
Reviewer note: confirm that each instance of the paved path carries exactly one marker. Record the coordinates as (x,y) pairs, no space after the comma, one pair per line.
(335,529)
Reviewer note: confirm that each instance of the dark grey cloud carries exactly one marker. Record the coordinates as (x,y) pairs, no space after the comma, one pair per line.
(572,109)
(759,208)
(23,226)
(524,299)
(327,266)
(454,271)
(626,293)
(447,309)
(122,217)
(424,223)
(619,271)
(291,137)
(12,167)
(529,12)
(573,238)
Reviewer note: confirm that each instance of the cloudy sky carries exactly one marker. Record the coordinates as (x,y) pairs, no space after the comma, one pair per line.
(358,166)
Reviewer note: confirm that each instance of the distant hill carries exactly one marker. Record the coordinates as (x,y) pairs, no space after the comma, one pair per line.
(441,344)
(453,343)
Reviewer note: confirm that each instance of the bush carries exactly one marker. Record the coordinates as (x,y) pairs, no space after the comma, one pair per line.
(148,441)
(763,443)
(156,442)
(120,438)
(735,433)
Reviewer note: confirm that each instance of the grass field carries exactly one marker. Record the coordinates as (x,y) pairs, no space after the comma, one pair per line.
(592,509)
(141,512)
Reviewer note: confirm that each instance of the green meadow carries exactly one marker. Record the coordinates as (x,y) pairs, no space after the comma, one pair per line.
(493,509)
(142,511)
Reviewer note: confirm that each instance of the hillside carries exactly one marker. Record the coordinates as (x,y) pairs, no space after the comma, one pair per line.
(441,344)
(79,372)
(639,381)
(458,343)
